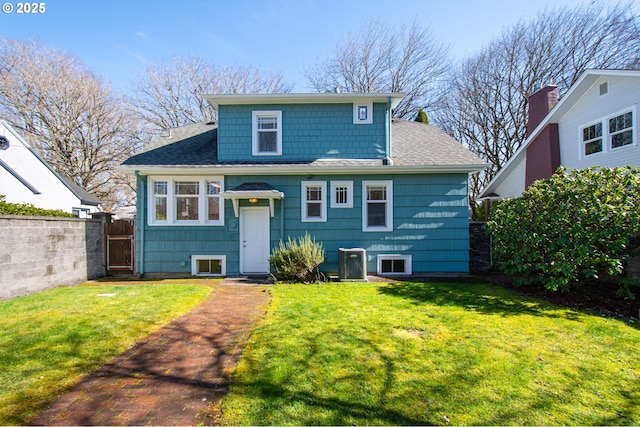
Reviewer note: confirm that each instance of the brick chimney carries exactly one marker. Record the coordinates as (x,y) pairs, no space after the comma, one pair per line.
(540,103)
(543,153)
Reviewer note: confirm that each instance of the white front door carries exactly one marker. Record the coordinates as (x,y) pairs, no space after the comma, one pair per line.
(254,240)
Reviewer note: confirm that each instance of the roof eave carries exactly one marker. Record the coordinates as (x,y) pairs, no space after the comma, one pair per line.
(296,169)
(303,98)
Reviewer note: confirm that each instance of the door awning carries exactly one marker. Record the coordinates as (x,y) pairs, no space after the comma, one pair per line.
(252,190)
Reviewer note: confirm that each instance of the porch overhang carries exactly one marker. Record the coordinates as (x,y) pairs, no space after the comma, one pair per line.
(252,190)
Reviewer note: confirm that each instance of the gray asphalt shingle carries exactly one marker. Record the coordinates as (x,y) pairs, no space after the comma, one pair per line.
(413,144)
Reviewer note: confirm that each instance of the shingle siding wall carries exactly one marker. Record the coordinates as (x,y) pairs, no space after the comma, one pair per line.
(308,132)
(430,223)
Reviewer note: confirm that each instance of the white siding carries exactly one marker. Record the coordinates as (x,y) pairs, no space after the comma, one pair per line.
(624,93)
(53,193)
(512,185)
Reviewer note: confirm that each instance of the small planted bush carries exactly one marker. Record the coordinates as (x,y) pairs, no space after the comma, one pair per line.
(298,260)
(571,228)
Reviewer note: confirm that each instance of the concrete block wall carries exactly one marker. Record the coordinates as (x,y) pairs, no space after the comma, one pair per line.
(38,253)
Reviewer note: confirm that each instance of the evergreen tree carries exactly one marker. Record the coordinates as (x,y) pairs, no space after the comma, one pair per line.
(422,117)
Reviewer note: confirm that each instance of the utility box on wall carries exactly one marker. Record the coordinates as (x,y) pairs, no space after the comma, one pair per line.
(352,265)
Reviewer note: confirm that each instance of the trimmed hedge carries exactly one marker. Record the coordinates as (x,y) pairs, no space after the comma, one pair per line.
(27,209)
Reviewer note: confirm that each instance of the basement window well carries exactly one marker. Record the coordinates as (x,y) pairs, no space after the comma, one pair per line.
(209,265)
(394,264)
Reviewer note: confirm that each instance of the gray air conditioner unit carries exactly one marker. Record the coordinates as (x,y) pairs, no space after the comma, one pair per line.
(352,265)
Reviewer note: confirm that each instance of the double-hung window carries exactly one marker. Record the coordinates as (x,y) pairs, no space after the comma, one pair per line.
(592,139)
(621,130)
(214,188)
(314,201)
(185,201)
(267,133)
(159,202)
(608,134)
(377,206)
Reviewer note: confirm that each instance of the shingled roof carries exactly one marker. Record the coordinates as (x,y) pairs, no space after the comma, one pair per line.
(414,144)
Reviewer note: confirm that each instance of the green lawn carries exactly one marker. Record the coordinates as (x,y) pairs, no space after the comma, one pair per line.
(438,353)
(49,340)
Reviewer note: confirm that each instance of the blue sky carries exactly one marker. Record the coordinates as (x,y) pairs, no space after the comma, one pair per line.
(116,38)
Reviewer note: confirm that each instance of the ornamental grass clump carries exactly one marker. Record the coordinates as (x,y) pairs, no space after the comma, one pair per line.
(572,228)
(298,260)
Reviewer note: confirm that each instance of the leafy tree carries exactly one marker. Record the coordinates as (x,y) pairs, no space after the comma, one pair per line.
(73,119)
(571,228)
(381,58)
(487,104)
(172,95)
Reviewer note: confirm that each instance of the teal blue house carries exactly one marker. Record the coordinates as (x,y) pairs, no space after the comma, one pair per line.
(215,198)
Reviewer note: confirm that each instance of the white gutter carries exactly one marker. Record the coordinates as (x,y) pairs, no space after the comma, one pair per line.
(297,169)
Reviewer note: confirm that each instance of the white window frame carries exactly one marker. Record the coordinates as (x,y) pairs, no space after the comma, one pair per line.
(389,205)
(610,135)
(335,185)
(602,137)
(254,132)
(170,197)
(323,201)
(606,135)
(393,257)
(221,258)
(357,120)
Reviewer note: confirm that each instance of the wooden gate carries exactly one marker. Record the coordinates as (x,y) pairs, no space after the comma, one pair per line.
(120,245)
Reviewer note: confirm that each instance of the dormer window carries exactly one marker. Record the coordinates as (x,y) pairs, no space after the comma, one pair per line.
(363,113)
(267,133)
(4,143)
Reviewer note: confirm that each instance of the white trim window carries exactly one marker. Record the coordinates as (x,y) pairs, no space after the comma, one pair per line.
(363,113)
(159,203)
(209,265)
(314,201)
(341,194)
(377,205)
(394,264)
(186,195)
(267,133)
(616,130)
(186,201)
(621,130)
(592,138)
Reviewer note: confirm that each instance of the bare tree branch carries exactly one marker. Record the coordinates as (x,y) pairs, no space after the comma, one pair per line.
(69,116)
(172,95)
(381,58)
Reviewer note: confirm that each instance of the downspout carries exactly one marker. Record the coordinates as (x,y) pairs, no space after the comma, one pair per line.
(282,219)
(140,224)
(387,133)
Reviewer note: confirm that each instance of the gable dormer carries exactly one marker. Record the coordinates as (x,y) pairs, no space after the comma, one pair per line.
(289,127)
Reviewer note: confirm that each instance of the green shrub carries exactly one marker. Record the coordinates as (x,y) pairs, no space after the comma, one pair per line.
(298,260)
(27,209)
(571,228)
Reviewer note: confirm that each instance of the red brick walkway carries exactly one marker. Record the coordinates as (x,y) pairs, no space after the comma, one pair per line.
(176,375)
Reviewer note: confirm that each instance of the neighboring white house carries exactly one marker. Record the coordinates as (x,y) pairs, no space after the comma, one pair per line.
(594,124)
(26,178)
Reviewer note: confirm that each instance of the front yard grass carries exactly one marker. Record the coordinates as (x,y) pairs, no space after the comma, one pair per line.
(50,340)
(432,353)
